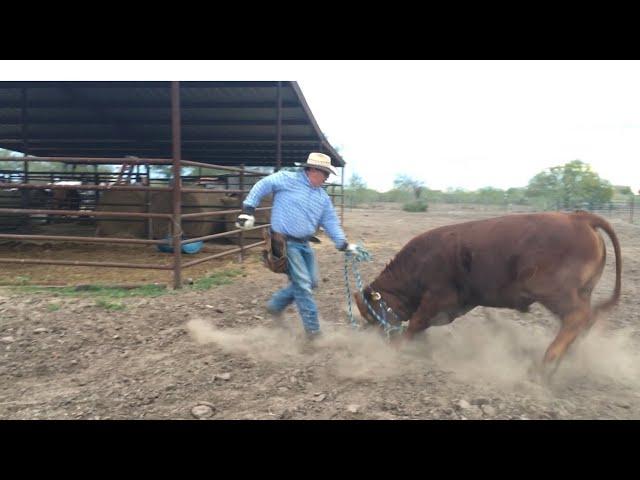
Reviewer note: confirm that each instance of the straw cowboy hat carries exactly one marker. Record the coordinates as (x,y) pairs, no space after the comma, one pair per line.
(319,161)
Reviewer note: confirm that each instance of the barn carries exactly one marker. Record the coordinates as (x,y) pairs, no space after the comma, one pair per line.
(147,163)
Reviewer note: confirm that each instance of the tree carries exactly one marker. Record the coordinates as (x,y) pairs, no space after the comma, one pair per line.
(622,190)
(516,196)
(406,183)
(356,182)
(573,185)
(8,160)
(491,196)
(166,171)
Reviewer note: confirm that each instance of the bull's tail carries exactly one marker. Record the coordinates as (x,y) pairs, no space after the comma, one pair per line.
(599,222)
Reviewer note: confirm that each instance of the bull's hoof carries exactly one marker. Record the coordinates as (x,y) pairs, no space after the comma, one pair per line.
(396,340)
(540,374)
(535,373)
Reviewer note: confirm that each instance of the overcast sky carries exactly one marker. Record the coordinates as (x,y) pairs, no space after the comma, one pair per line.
(467,124)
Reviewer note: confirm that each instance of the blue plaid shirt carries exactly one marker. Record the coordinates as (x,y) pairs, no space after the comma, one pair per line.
(299,208)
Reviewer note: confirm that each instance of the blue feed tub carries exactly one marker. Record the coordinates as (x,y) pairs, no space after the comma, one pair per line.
(191,247)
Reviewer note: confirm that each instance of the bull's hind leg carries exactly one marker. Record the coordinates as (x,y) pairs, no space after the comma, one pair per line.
(596,323)
(574,321)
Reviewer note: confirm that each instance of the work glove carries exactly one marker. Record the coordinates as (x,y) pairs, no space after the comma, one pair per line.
(359,253)
(245,221)
(351,248)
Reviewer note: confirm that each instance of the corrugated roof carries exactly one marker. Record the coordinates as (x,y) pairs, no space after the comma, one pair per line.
(224,123)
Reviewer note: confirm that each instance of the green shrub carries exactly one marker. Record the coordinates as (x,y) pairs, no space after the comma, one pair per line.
(416,206)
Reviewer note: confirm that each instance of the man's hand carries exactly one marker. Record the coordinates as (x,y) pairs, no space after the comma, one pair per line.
(358,252)
(351,248)
(245,221)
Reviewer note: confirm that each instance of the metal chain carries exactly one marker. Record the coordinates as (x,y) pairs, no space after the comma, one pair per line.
(346,282)
(364,256)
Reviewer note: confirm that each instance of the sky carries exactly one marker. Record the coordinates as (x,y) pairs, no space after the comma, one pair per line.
(451,124)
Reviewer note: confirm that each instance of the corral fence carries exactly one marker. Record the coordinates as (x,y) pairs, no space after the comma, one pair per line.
(622,210)
(174,219)
(28,198)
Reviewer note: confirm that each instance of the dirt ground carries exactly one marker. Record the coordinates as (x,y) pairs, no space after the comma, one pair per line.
(216,354)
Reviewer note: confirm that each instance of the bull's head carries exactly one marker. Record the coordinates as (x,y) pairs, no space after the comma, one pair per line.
(373,308)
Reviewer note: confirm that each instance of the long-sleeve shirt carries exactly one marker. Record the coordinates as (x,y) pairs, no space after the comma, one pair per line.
(298,207)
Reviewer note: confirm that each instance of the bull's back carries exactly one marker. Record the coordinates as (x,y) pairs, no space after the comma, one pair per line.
(510,261)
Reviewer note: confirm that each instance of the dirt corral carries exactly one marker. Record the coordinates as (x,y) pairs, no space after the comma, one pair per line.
(213,353)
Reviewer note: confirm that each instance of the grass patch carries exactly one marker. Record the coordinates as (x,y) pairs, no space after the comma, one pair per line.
(53,307)
(101,292)
(110,292)
(107,305)
(23,279)
(222,277)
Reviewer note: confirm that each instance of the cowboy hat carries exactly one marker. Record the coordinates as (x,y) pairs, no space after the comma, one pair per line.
(319,161)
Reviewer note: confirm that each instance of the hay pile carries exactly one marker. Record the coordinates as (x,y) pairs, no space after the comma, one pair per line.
(122,201)
(160,202)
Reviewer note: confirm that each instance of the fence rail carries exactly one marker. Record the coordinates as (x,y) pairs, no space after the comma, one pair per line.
(18,206)
(622,210)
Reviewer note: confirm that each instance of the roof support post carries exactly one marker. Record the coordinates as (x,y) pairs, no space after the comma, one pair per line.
(177,184)
(25,138)
(241,201)
(279,128)
(342,193)
(24,194)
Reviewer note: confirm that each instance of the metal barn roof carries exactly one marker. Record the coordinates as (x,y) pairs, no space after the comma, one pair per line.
(223,122)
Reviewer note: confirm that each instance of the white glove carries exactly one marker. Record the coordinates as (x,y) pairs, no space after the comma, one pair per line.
(358,252)
(245,221)
(352,248)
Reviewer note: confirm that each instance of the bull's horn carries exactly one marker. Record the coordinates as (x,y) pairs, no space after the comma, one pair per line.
(376,296)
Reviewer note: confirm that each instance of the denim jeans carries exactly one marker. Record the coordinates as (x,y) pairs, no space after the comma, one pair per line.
(303,277)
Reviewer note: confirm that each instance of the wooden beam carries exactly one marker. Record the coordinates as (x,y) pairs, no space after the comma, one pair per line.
(147,104)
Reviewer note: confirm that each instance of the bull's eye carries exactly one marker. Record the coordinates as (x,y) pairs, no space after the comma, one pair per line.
(376,296)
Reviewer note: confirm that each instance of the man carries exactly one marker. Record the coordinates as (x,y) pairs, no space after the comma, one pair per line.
(300,206)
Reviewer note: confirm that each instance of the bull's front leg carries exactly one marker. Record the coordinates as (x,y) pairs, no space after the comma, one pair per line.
(432,304)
